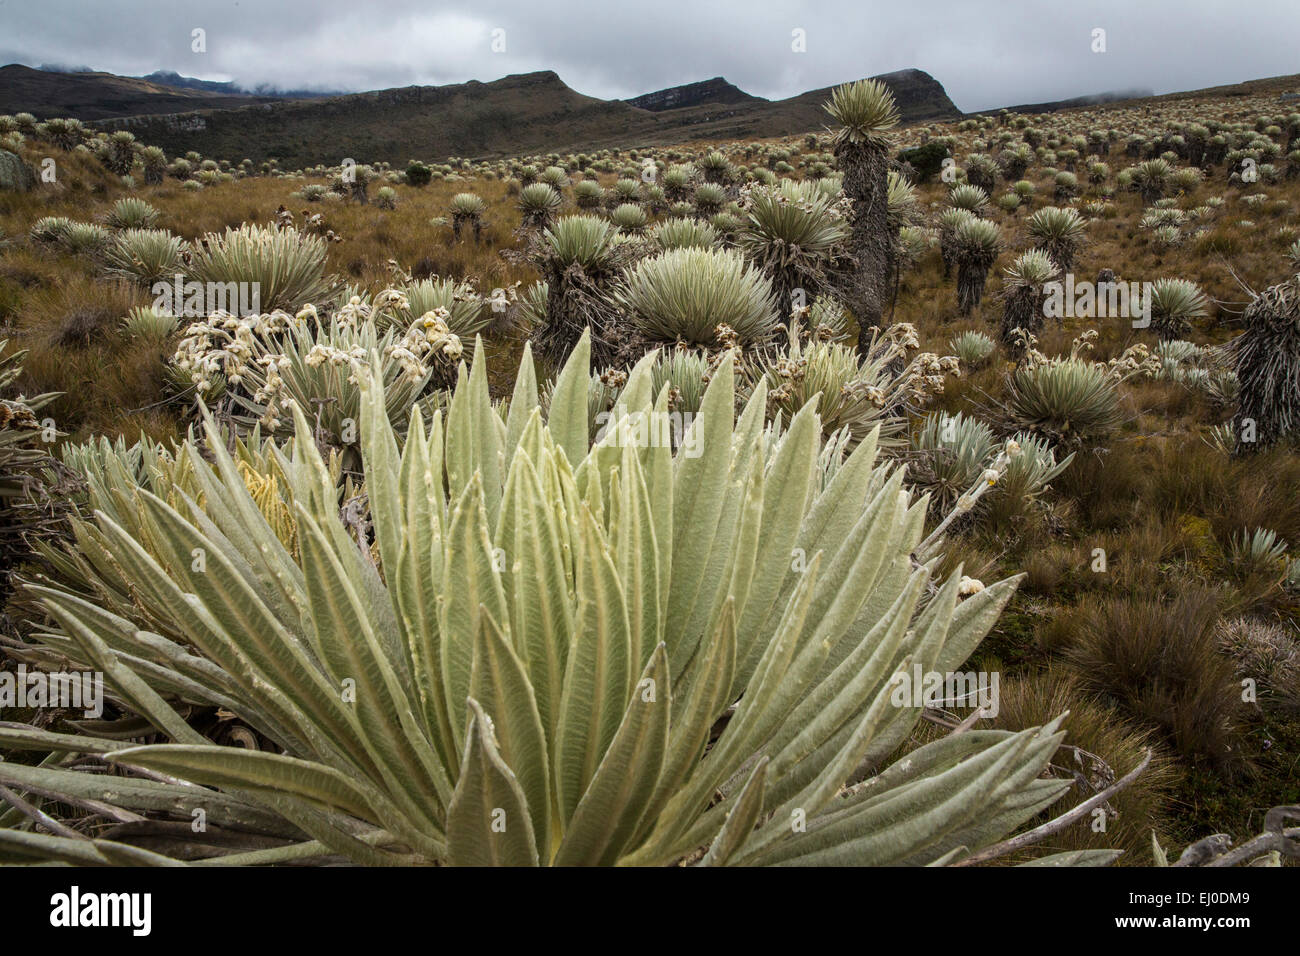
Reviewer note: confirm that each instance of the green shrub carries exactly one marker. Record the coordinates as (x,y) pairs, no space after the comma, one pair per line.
(926,159)
(418,174)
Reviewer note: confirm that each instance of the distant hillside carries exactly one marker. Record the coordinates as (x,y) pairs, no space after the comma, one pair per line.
(1287,89)
(1076,102)
(524,113)
(716,91)
(94,96)
(170,78)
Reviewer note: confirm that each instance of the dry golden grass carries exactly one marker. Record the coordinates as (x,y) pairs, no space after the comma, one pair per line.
(1100,745)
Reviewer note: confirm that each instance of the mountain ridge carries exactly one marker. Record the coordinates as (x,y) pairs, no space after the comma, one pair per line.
(91,95)
(517,114)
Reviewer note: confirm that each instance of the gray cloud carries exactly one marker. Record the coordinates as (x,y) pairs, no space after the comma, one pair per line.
(987,53)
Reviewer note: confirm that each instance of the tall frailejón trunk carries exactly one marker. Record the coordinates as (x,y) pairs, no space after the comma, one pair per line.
(865,169)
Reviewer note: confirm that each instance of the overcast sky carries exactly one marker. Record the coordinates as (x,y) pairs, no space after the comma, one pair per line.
(986,53)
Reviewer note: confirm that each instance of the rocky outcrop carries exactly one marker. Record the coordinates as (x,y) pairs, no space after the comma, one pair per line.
(15,175)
